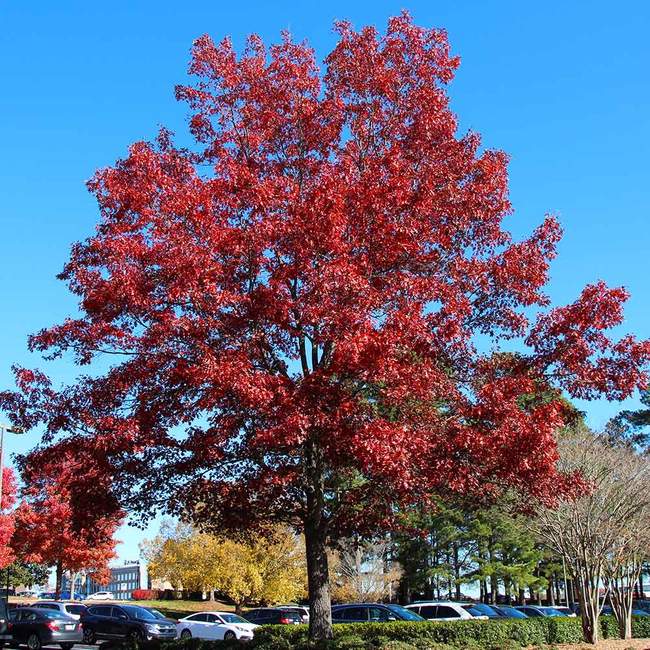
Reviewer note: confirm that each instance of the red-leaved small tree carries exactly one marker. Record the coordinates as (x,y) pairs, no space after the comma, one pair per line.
(68,515)
(296,309)
(7,523)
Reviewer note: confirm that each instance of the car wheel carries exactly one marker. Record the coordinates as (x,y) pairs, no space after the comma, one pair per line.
(34,642)
(66,646)
(136,635)
(89,636)
(229,636)
(186,634)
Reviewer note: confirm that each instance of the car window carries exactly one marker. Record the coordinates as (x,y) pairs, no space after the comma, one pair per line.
(444,611)
(29,616)
(529,611)
(100,610)
(378,614)
(134,611)
(212,618)
(232,618)
(354,614)
(403,613)
(427,611)
(196,617)
(118,612)
(75,609)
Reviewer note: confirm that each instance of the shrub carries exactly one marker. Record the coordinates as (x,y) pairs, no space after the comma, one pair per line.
(144,594)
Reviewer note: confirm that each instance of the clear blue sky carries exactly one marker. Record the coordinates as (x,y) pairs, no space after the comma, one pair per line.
(561,86)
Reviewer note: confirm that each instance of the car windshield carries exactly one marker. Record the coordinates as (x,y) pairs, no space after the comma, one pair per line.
(479,609)
(405,614)
(157,614)
(549,611)
(139,612)
(233,618)
(512,612)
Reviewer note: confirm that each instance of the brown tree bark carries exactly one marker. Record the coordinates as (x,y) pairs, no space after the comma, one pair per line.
(58,580)
(320,619)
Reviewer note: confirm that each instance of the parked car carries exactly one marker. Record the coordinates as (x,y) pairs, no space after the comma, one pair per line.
(5,634)
(442,611)
(131,622)
(47,595)
(608,611)
(38,627)
(480,609)
(563,609)
(535,611)
(75,610)
(65,595)
(508,611)
(372,613)
(27,594)
(215,625)
(273,615)
(300,609)
(100,595)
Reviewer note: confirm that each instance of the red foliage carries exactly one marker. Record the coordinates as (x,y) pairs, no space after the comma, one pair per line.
(299,302)
(144,594)
(7,523)
(68,514)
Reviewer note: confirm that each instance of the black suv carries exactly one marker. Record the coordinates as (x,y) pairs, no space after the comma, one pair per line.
(125,622)
(273,615)
(372,613)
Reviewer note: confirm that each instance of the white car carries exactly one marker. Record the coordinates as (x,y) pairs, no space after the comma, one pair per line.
(101,595)
(215,625)
(443,611)
(75,610)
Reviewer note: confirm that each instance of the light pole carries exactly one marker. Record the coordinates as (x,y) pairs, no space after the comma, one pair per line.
(8,429)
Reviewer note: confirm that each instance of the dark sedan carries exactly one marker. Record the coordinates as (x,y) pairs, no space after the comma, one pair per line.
(39,627)
(372,613)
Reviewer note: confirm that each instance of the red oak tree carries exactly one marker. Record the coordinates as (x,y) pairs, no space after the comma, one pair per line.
(9,491)
(297,308)
(68,515)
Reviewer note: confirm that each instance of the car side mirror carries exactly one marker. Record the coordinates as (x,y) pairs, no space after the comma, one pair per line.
(391,618)
(123,617)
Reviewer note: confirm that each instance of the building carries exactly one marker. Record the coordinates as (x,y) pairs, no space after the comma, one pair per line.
(124,580)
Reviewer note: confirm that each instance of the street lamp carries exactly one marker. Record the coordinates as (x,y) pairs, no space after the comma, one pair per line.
(8,429)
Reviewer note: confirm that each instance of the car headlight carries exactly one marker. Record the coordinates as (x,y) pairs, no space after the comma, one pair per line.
(152,628)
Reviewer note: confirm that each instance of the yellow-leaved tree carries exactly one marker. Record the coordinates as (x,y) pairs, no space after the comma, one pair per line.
(265,569)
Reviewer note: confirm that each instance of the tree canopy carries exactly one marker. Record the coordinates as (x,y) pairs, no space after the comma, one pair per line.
(292,307)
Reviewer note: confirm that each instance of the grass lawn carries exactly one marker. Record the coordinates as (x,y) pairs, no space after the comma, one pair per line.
(180,608)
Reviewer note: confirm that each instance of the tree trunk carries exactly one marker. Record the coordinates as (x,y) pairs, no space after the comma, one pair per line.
(59,580)
(457,572)
(320,619)
(588,596)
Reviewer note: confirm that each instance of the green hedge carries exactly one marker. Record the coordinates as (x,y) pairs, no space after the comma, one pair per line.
(506,634)
(484,634)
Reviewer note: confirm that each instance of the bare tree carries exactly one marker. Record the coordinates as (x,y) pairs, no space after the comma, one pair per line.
(363,571)
(601,530)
